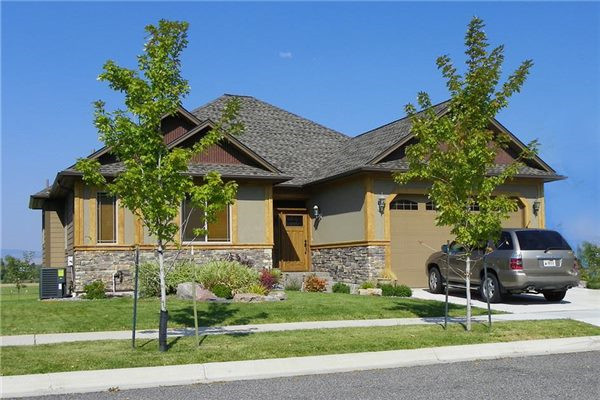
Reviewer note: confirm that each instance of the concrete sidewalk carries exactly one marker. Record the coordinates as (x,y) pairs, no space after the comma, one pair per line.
(50,338)
(134,378)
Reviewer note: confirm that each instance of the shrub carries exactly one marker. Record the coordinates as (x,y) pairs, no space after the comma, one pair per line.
(221,290)
(397,291)
(149,282)
(256,289)
(593,284)
(276,274)
(314,284)
(181,272)
(340,287)
(267,279)
(230,274)
(368,285)
(293,285)
(95,290)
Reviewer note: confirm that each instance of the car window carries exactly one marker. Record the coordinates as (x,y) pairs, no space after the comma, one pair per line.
(541,240)
(505,242)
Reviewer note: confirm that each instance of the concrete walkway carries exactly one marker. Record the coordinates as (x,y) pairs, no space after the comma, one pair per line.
(50,338)
(135,378)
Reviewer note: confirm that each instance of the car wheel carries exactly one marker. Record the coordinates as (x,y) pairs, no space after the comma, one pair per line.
(554,296)
(435,281)
(491,288)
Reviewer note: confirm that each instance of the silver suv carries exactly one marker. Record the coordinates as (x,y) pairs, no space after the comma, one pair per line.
(523,260)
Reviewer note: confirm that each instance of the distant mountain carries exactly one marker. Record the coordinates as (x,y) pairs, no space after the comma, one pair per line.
(18,253)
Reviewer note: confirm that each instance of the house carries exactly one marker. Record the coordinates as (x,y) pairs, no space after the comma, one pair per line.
(309,199)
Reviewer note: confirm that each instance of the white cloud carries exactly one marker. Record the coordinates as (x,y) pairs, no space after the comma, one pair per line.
(285,54)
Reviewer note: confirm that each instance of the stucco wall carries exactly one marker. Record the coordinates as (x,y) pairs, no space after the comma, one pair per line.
(251,214)
(528,192)
(342,209)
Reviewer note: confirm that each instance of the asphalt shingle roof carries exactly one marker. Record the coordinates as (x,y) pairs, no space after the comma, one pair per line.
(226,170)
(294,145)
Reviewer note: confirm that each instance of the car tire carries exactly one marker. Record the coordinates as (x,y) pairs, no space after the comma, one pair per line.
(554,295)
(435,281)
(493,287)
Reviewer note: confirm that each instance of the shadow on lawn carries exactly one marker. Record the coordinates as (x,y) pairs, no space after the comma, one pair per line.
(423,310)
(217,314)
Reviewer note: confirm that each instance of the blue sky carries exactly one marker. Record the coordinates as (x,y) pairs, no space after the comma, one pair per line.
(349,66)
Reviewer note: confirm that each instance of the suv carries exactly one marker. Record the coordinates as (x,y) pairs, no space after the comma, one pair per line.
(523,260)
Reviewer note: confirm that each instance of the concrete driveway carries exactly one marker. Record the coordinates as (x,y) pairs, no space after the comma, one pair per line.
(580,304)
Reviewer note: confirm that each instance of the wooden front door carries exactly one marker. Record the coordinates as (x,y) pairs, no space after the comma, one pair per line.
(292,241)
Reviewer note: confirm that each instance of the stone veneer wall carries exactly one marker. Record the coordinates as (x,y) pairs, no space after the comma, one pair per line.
(102,264)
(350,264)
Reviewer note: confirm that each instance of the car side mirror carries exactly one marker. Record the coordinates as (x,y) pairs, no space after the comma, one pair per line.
(445,248)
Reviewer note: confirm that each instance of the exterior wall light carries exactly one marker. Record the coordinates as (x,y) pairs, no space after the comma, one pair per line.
(316,212)
(536,207)
(381,205)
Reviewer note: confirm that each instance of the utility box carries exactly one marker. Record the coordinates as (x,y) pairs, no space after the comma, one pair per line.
(53,283)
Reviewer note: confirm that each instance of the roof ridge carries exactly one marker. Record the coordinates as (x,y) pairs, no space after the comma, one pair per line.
(275,107)
(400,119)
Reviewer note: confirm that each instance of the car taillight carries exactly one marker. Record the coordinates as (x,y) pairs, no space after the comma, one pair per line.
(516,263)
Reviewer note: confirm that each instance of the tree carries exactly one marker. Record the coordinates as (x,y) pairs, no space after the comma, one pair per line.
(17,271)
(589,254)
(456,150)
(154,181)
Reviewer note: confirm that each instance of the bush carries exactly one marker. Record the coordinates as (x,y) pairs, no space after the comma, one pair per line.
(293,285)
(221,290)
(594,284)
(149,282)
(230,274)
(368,285)
(314,284)
(181,272)
(397,291)
(340,287)
(256,289)
(95,290)
(267,279)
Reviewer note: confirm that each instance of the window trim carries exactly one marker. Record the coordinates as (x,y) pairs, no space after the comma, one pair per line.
(116,220)
(206,242)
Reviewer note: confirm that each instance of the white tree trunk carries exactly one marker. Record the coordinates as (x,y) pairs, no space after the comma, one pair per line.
(161,274)
(468,289)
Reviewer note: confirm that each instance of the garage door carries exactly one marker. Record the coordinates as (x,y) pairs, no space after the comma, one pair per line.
(412,220)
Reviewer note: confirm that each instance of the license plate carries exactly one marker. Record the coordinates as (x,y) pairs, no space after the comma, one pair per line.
(549,263)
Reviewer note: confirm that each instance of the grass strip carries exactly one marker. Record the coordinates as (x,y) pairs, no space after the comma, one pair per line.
(118,354)
(23,314)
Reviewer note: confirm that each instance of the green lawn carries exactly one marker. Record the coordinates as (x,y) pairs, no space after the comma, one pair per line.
(118,354)
(25,314)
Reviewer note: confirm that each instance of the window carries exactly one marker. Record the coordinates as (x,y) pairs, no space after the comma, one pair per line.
(293,220)
(106,218)
(505,242)
(474,207)
(403,204)
(217,231)
(430,206)
(541,240)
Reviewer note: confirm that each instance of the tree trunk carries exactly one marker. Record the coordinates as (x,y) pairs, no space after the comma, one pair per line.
(468,289)
(164,316)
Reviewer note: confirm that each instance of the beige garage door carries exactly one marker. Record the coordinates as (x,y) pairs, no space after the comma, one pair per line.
(412,220)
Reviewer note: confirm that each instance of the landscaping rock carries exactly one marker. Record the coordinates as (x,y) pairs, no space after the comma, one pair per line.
(370,292)
(248,298)
(278,295)
(185,291)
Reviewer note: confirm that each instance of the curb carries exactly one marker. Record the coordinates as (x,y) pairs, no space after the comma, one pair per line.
(136,378)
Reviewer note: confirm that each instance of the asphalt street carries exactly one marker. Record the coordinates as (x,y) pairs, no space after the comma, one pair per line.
(565,376)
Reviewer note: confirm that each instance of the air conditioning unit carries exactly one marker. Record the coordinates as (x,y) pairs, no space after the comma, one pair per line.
(53,282)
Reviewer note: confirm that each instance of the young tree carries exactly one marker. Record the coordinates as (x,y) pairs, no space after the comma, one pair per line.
(154,181)
(456,150)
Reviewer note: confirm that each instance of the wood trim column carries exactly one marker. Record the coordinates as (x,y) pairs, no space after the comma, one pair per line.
(269,239)
(92,234)
(78,214)
(120,222)
(234,222)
